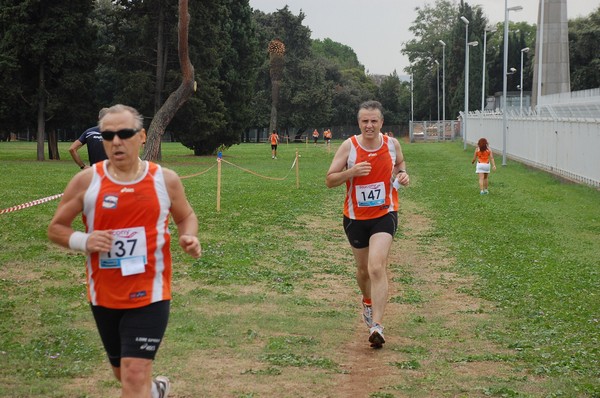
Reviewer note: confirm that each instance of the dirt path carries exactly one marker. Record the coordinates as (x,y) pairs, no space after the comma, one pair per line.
(432,348)
(434,344)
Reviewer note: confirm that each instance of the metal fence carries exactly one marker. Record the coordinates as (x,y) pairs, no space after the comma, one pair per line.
(434,131)
(567,147)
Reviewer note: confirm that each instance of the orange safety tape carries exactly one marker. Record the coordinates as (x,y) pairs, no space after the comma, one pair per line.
(30,204)
(256,174)
(197,174)
(49,198)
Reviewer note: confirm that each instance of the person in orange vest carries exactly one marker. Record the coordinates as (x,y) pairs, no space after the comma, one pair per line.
(315,136)
(274,138)
(483,155)
(126,204)
(327,136)
(371,164)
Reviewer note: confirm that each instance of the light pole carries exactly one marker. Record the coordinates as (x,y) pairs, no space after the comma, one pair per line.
(443,82)
(523,51)
(438,89)
(469,44)
(504,78)
(464,121)
(491,30)
(411,98)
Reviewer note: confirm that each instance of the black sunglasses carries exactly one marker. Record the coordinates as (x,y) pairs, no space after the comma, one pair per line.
(122,134)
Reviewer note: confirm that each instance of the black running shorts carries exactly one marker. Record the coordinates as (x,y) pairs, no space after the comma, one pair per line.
(360,231)
(132,333)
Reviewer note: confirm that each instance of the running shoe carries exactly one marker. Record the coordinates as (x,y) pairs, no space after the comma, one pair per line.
(367,314)
(163,385)
(376,336)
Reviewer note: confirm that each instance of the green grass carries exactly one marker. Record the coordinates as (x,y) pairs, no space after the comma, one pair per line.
(531,244)
(534,244)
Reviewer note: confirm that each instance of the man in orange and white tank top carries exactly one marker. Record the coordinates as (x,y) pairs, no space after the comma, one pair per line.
(274,139)
(371,165)
(126,204)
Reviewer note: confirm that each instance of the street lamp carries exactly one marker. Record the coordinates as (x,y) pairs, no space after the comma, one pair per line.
(504,78)
(469,44)
(438,88)
(411,97)
(443,82)
(491,30)
(464,122)
(523,51)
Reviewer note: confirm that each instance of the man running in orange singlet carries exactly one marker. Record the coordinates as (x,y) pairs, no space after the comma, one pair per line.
(327,136)
(274,138)
(369,163)
(315,136)
(126,204)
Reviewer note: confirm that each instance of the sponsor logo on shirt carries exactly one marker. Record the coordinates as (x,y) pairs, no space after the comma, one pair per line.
(110,201)
(135,295)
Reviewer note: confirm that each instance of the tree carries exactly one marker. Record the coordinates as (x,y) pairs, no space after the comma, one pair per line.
(47,67)
(353,88)
(276,52)
(226,55)
(389,95)
(431,25)
(340,54)
(165,114)
(584,51)
(305,94)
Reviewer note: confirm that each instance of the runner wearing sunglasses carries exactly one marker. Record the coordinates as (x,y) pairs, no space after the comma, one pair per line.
(126,203)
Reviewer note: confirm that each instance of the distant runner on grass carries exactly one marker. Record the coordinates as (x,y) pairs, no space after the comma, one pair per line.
(315,136)
(274,138)
(369,163)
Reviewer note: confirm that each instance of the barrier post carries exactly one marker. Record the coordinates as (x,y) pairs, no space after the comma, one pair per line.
(297,170)
(306,141)
(219,156)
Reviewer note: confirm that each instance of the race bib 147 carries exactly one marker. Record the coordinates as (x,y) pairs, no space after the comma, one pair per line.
(370,195)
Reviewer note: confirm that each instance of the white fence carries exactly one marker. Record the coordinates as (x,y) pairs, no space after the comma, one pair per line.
(567,147)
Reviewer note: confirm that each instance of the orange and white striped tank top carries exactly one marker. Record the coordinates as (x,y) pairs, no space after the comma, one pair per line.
(137,270)
(371,196)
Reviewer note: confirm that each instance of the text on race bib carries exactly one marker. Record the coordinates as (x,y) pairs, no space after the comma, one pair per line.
(370,195)
(128,252)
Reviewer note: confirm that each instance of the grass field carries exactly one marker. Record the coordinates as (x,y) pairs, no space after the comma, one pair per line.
(271,308)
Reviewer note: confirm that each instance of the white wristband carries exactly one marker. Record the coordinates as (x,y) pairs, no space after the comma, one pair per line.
(78,241)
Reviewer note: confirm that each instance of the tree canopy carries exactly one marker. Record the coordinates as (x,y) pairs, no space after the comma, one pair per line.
(82,55)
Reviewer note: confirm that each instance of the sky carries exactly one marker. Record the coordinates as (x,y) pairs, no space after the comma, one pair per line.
(377,29)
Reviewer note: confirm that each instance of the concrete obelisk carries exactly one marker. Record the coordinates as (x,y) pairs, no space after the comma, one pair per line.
(552,43)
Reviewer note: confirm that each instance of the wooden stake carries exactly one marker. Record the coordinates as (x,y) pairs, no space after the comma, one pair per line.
(219,184)
(297,170)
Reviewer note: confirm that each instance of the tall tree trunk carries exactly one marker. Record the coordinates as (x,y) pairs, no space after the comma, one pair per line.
(53,153)
(276,63)
(41,120)
(165,114)
(275,85)
(160,60)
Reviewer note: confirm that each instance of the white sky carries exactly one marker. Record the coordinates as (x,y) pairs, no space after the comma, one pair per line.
(377,29)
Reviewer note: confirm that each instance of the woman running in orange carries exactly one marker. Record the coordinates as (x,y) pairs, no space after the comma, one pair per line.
(483,154)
